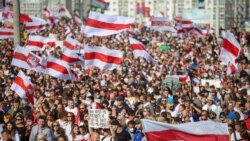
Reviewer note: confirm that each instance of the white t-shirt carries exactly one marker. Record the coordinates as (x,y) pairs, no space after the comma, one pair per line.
(74,110)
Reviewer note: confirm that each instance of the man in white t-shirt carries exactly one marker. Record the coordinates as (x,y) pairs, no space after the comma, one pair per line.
(71,107)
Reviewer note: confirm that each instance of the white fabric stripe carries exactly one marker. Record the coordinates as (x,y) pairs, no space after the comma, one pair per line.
(134,41)
(92,31)
(15,87)
(109,18)
(197,128)
(161,19)
(103,50)
(99,64)
(20,63)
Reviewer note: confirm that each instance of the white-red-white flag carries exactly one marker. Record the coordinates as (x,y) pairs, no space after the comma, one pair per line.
(182,78)
(59,69)
(71,44)
(230,49)
(23,58)
(139,50)
(35,43)
(71,57)
(99,24)
(33,27)
(6,33)
(193,131)
(23,87)
(162,24)
(102,58)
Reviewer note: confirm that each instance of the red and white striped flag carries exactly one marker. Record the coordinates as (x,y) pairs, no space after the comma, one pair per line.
(33,27)
(59,69)
(77,18)
(99,24)
(102,58)
(35,43)
(193,131)
(230,49)
(6,33)
(71,57)
(23,87)
(71,44)
(28,18)
(50,41)
(23,58)
(139,50)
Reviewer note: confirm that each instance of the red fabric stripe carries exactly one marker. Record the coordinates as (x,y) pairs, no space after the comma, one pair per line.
(33,27)
(230,47)
(103,2)
(20,82)
(57,67)
(186,22)
(25,18)
(183,78)
(105,25)
(68,59)
(68,45)
(103,57)
(20,56)
(137,47)
(170,135)
(233,68)
(30,98)
(51,44)
(35,43)
(6,33)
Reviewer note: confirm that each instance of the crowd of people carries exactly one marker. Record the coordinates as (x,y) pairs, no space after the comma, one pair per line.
(131,92)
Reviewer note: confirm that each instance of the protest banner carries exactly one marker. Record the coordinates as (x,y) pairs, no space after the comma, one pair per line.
(98,118)
(214,82)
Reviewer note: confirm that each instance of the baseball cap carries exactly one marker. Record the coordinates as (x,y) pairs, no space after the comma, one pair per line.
(119,98)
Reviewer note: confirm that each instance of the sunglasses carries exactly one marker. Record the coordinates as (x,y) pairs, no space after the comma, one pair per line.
(55,125)
(18,119)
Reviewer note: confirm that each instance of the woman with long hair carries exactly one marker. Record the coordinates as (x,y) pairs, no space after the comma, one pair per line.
(13,132)
(69,123)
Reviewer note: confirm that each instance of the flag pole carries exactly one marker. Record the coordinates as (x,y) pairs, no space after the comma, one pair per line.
(16,23)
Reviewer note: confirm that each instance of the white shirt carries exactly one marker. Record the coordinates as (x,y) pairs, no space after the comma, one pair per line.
(74,110)
(237,135)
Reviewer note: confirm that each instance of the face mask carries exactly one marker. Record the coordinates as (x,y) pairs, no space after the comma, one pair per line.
(131,129)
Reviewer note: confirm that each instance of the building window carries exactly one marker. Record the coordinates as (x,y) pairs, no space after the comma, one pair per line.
(149,3)
(131,2)
(114,3)
(131,9)
(114,9)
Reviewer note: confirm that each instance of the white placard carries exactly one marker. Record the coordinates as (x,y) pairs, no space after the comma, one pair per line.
(98,118)
(215,82)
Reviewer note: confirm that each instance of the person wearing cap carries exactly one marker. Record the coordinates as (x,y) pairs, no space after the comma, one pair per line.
(120,104)
(118,132)
(209,106)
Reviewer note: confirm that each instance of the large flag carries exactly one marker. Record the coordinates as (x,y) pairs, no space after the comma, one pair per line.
(28,18)
(23,87)
(139,50)
(23,58)
(100,4)
(6,33)
(193,131)
(99,24)
(59,69)
(230,49)
(102,58)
